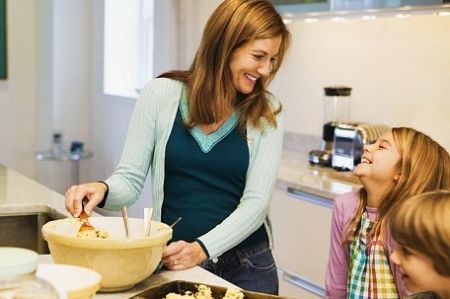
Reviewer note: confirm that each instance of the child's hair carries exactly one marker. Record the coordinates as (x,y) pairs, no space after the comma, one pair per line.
(424,166)
(422,223)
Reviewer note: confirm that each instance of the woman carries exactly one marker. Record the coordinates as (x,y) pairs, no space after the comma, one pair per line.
(212,138)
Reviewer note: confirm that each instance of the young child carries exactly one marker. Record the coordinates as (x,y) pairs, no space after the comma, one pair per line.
(421,228)
(403,162)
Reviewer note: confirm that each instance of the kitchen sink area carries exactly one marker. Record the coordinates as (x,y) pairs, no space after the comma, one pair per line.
(24,229)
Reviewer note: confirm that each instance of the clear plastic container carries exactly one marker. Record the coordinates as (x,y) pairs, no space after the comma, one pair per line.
(17,276)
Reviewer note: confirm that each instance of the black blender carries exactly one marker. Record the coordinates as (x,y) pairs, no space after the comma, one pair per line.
(336,107)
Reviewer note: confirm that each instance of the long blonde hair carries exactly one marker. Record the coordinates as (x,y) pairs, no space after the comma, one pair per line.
(422,223)
(232,25)
(424,166)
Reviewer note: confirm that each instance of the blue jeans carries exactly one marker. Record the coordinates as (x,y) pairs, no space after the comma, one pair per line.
(252,268)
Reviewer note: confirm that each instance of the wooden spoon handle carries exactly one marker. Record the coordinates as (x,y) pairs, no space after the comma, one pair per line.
(83,216)
(85,225)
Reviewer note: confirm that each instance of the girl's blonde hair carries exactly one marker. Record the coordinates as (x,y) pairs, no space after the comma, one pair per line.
(422,223)
(424,166)
(232,25)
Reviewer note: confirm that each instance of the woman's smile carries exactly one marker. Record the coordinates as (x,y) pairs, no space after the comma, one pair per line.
(252,61)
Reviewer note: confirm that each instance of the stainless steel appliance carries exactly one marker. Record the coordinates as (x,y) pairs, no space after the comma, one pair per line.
(349,142)
(336,110)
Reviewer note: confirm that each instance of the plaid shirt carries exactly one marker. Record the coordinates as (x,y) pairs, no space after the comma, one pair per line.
(369,274)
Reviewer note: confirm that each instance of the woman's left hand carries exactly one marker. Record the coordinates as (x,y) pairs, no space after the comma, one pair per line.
(182,255)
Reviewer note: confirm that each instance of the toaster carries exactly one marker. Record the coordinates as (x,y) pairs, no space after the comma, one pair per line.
(349,141)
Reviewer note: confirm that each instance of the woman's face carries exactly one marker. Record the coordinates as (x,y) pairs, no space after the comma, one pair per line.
(253,61)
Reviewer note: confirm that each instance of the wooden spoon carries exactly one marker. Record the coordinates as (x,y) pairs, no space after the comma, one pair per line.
(85,225)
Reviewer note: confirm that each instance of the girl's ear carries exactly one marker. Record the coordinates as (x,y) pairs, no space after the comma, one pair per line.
(397,176)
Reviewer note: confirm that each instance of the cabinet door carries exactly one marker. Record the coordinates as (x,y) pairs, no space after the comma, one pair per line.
(291,290)
(301,6)
(301,230)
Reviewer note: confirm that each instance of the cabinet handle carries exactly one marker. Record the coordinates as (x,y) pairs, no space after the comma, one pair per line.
(297,194)
(302,283)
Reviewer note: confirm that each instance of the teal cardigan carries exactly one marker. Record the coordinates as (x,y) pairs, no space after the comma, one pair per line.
(145,146)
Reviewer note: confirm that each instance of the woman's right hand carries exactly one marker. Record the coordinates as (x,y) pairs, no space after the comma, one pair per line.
(92,193)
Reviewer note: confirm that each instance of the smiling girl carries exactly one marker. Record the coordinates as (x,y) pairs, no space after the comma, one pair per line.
(402,162)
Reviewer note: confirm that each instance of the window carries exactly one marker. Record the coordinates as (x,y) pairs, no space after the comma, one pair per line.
(128,46)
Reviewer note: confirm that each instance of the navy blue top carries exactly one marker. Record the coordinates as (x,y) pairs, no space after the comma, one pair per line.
(204,187)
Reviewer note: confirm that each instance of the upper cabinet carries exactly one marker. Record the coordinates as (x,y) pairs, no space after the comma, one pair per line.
(306,6)
(299,6)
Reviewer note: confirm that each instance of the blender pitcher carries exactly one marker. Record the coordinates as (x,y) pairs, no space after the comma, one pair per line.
(336,110)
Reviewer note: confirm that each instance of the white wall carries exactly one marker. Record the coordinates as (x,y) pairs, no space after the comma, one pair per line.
(18,93)
(48,85)
(44,108)
(192,18)
(72,23)
(399,69)
(65,86)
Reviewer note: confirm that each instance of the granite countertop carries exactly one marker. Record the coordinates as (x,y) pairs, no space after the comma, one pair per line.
(20,194)
(17,192)
(295,172)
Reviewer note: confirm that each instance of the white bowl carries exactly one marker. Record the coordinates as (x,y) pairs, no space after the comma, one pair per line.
(72,282)
(120,261)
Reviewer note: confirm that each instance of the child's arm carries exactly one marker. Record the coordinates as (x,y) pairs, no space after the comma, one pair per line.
(338,260)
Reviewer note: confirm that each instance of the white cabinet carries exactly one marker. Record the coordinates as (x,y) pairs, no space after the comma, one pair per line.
(301,229)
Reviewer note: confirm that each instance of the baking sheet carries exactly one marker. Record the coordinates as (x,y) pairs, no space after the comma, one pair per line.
(181,286)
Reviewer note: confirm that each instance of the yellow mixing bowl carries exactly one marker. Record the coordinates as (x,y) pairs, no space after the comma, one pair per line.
(120,261)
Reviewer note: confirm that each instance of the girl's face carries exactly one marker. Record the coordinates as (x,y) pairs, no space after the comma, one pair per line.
(418,272)
(380,163)
(253,61)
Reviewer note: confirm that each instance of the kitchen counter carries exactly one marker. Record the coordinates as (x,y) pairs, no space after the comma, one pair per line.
(296,173)
(20,194)
(195,274)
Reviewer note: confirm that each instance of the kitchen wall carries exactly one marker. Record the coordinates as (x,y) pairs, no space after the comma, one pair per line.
(64,95)
(399,69)
(48,85)
(18,93)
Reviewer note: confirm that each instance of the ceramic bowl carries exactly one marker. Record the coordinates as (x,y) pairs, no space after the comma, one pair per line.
(120,261)
(71,282)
